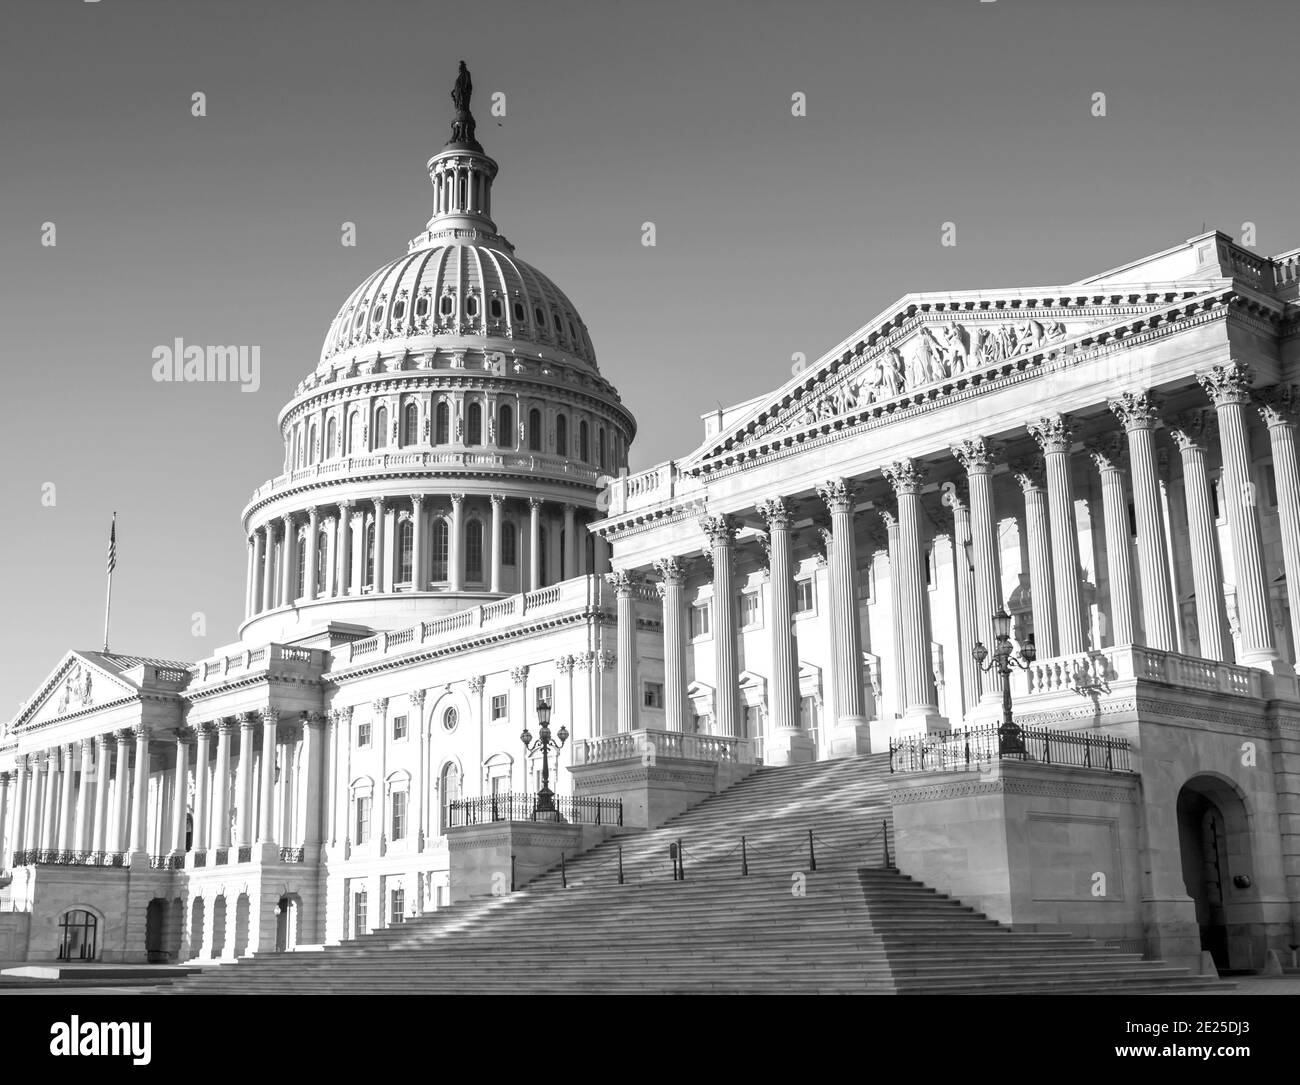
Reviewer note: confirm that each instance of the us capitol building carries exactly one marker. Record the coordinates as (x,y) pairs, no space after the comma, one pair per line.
(454,538)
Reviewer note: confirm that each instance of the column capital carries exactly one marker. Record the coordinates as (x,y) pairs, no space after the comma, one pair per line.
(122,737)
(905,476)
(226,726)
(1108,451)
(287,519)
(202,728)
(564,664)
(775,511)
(1030,473)
(605,660)
(1136,410)
(344,506)
(534,503)
(585,660)
(977,453)
(345,714)
(476,683)
(270,716)
(416,501)
(313,512)
(621,581)
(142,731)
(379,705)
(456,500)
(417,697)
(86,744)
(499,499)
(720,529)
(245,719)
(671,570)
(519,675)
(1226,384)
(1052,433)
(315,720)
(1278,405)
(1191,429)
(836,494)
(379,504)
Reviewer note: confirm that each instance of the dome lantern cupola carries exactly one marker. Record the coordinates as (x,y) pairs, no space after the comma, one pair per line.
(462,177)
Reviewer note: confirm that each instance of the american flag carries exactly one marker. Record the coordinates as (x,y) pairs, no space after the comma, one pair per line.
(112,545)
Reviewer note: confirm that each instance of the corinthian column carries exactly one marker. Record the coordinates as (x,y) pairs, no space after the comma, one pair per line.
(85,799)
(50,802)
(920,696)
(139,826)
(419,582)
(534,543)
(1189,432)
(67,811)
(4,809)
(18,820)
(1278,407)
(203,731)
(671,588)
(309,574)
(1108,455)
(977,455)
(889,516)
(494,556)
(265,830)
(623,584)
(244,782)
(255,573)
(1137,411)
(456,557)
(344,549)
(379,568)
(121,792)
(845,633)
(99,841)
(288,554)
(954,498)
(1041,591)
(179,789)
(1228,387)
(268,570)
(784,700)
(221,786)
(1053,437)
(721,532)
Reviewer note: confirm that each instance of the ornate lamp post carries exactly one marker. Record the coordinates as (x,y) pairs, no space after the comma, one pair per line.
(1002,662)
(545,743)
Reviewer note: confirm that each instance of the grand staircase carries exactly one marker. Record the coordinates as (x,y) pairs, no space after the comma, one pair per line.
(818,911)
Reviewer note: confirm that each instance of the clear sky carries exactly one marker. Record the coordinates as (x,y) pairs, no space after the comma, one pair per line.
(775,233)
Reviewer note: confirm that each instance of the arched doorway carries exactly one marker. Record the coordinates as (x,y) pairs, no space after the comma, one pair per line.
(219,928)
(241,924)
(1214,844)
(78,935)
(198,918)
(287,913)
(155,917)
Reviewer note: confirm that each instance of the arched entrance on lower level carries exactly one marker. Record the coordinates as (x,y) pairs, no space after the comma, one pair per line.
(219,928)
(288,915)
(198,919)
(1214,841)
(78,935)
(155,918)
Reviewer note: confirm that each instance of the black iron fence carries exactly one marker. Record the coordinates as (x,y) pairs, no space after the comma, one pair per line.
(54,857)
(955,751)
(521,806)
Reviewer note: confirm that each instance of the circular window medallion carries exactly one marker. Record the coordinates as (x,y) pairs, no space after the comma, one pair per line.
(449,719)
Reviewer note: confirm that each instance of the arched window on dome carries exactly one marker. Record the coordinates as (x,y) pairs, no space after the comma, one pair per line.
(311,444)
(442,424)
(584,446)
(474,551)
(519,312)
(448,785)
(399,310)
(534,430)
(508,544)
(322,559)
(494,308)
(474,424)
(471,306)
(444,305)
(411,428)
(600,447)
(441,539)
(422,307)
(300,582)
(505,427)
(405,551)
(331,433)
(354,434)
(561,435)
(368,578)
(381,427)
(540,314)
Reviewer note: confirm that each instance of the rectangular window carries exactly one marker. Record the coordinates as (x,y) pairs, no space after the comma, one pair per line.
(500,706)
(752,724)
(359,913)
(700,620)
(749,610)
(397,906)
(363,819)
(544,695)
(399,727)
(803,596)
(399,815)
(808,713)
(653,696)
(363,734)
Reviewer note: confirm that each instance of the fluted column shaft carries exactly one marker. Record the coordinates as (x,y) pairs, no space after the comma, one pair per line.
(309,573)
(672,590)
(920,696)
(180,791)
(99,840)
(244,782)
(289,555)
(961,549)
(456,558)
(846,635)
(1228,388)
(976,456)
(1279,412)
(379,565)
(1053,437)
(35,805)
(1108,457)
(1207,572)
(344,580)
(4,819)
(201,776)
(18,819)
(358,583)
(266,820)
(783,701)
(67,811)
(139,818)
(726,698)
(1042,593)
(122,792)
(50,801)
(221,787)
(1137,412)
(268,569)
(627,649)
(534,543)
(419,582)
(494,581)
(85,797)
(570,545)
(255,575)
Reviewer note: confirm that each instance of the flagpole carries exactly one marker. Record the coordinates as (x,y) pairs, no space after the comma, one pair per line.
(112,564)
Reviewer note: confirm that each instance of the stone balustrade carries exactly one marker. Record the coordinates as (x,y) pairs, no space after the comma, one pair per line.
(672,744)
(1098,669)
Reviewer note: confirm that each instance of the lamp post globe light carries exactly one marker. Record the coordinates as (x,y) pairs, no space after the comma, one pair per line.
(545,796)
(1002,661)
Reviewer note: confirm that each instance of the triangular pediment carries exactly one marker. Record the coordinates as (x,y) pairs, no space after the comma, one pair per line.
(929,345)
(81,682)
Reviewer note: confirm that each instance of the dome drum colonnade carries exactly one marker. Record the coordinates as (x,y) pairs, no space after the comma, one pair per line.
(1048,457)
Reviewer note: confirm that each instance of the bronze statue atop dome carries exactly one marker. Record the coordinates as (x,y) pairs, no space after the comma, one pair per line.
(462,128)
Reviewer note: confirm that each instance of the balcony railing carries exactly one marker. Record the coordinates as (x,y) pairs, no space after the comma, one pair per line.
(962,750)
(1095,670)
(521,806)
(639,744)
(293,855)
(54,857)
